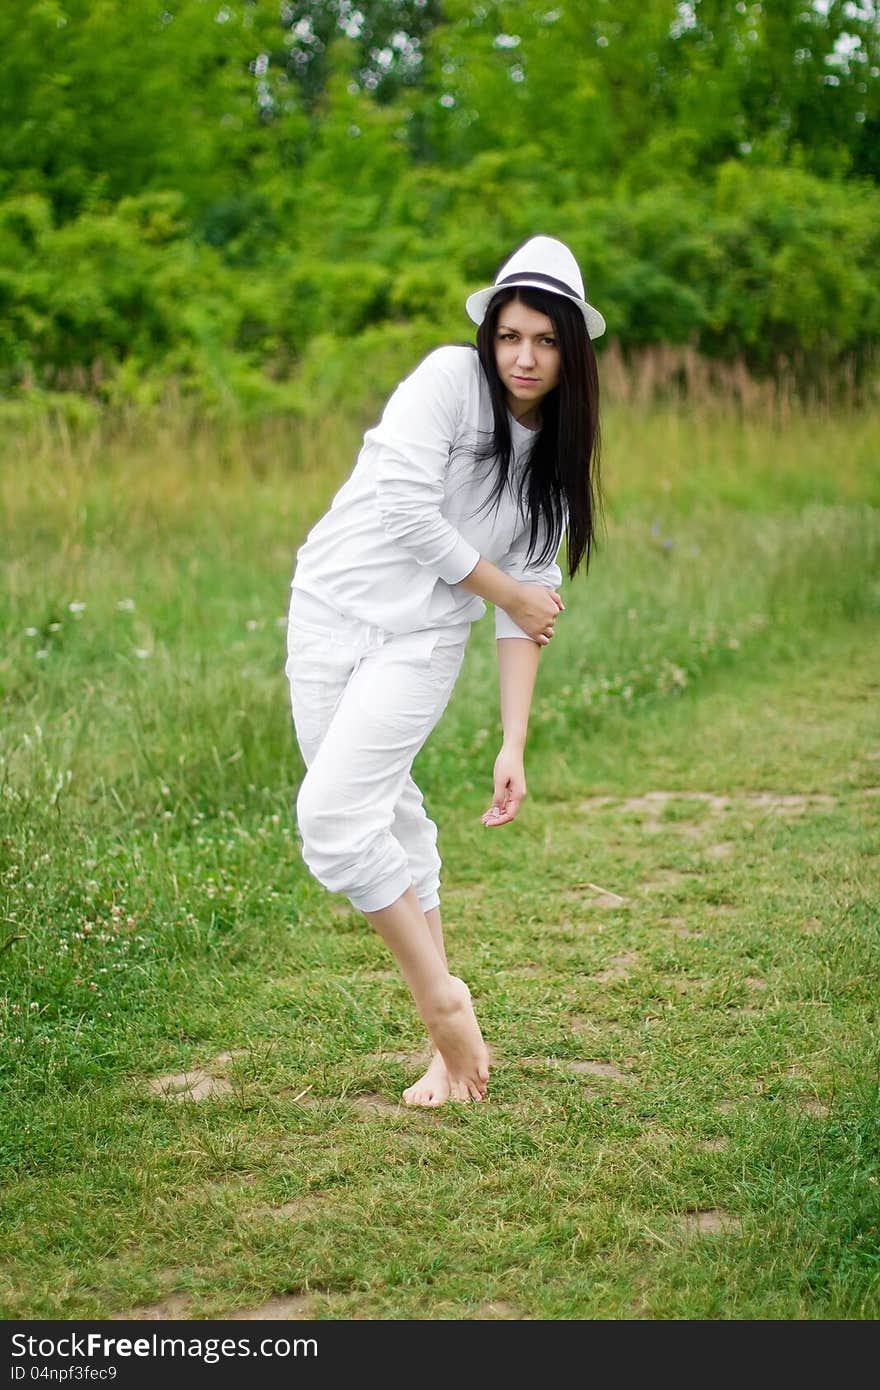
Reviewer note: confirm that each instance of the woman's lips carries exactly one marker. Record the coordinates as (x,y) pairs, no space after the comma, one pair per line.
(526,380)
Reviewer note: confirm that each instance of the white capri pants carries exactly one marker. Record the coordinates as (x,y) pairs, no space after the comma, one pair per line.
(364,701)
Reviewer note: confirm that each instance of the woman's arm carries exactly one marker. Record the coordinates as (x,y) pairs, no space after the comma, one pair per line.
(530,606)
(517,669)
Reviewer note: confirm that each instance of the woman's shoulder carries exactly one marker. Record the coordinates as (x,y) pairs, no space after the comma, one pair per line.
(455,363)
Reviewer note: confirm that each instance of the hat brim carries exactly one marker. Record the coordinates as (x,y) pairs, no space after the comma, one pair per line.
(477,303)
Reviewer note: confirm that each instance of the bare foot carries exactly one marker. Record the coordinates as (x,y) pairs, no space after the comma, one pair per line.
(456,1035)
(432,1088)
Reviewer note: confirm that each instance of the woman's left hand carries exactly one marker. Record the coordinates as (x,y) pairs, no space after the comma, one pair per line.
(510,788)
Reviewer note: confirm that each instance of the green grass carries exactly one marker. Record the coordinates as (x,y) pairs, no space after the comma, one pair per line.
(674,951)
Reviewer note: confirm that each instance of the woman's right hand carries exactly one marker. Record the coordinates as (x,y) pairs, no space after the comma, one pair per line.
(535,609)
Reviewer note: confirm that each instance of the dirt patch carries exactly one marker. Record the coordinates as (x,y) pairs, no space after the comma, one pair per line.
(688,984)
(714,1146)
(300,1208)
(287,1308)
(812,926)
(607,1070)
(197,1084)
(581,1025)
(301,1095)
(618,968)
(653,803)
(497,1309)
(691,830)
(722,850)
(817,1108)
(755,982)
(796,801)
(709,1221)
(663,879)
(176,1305)
(406,1059)
(369,1103)
(658,1138)
(686,933)
(600,897)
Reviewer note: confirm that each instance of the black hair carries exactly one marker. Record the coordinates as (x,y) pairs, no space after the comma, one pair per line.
(560,478)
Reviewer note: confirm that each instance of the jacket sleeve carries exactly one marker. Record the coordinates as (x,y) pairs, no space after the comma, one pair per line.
(518,566)
(414,439)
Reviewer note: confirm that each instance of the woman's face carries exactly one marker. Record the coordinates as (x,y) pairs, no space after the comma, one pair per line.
(527,358)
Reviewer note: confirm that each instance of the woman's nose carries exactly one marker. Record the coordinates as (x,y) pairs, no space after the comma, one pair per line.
(525,356)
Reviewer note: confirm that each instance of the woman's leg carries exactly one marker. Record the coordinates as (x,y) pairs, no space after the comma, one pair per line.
(417,833)
(442,1000)
(435,927)
(433,1088)
(346,808)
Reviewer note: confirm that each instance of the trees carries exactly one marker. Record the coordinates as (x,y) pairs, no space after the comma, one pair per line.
(240,188)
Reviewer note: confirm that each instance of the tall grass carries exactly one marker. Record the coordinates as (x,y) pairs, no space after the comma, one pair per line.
(154,901)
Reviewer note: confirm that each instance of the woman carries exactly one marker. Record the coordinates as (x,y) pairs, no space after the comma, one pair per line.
(461,493)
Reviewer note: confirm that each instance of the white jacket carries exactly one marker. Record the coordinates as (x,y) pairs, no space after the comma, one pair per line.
(409,523)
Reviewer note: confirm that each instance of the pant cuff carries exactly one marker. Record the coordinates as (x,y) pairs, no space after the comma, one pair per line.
(430,900)
(384,894)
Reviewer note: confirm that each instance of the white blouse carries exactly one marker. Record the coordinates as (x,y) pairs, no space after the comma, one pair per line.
(413,518)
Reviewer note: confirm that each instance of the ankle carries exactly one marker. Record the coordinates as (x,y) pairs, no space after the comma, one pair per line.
(443,1000)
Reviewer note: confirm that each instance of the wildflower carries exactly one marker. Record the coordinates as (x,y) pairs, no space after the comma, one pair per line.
(42,654)
(125,605)
(30,632)
(54,627)
(35,1006)
(141,653)
(76,607)
(252,624)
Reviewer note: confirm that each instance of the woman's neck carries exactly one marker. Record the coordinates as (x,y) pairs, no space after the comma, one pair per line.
(529,416)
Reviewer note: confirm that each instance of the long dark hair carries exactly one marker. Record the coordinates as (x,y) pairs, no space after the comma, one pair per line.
(561,473)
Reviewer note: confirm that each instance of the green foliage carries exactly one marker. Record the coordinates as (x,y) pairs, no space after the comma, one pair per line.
(214,199)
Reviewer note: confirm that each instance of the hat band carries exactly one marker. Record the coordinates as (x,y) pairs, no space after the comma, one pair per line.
(523,276)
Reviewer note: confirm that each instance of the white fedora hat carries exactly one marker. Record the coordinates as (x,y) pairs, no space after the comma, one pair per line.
(545,264)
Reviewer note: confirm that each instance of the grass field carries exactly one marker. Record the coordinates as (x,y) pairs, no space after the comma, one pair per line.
(674,950)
